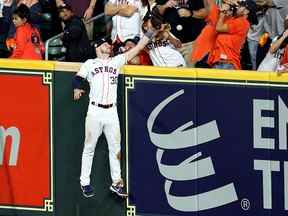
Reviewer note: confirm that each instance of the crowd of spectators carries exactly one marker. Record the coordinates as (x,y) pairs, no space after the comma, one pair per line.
(226,34)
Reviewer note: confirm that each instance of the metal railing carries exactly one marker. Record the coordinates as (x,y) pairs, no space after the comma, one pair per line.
(47,43)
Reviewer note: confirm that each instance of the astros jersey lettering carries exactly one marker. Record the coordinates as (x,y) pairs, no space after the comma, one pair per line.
(102,75)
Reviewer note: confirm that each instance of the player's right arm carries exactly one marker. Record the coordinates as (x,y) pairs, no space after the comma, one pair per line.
(78,79)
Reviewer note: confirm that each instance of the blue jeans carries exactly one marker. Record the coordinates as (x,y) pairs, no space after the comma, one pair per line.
(225,66)
(253,46)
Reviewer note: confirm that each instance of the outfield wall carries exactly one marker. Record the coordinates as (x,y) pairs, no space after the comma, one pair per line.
(195,142)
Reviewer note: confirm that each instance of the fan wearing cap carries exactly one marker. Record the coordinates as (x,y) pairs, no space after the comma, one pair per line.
(75,38)
(232,26)
(102,75)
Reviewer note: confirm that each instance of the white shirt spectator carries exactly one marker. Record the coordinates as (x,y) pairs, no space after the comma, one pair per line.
(126,27)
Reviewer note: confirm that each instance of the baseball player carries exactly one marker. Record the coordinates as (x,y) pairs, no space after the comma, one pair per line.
(102,74)
(163,49)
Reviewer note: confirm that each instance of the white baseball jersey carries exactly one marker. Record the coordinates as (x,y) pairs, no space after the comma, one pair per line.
(126,27)
(163,53)
(102,75)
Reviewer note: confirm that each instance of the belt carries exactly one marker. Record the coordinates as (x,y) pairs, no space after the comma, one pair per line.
(104,106)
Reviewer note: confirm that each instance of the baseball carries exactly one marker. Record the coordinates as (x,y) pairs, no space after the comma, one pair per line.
(179,27)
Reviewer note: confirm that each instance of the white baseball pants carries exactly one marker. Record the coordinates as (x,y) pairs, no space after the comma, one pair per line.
(100,120)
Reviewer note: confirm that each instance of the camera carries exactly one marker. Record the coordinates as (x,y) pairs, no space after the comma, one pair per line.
(232,10)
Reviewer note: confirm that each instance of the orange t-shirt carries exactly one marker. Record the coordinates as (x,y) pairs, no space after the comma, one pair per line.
(206,39)
(26,48)
(228,45)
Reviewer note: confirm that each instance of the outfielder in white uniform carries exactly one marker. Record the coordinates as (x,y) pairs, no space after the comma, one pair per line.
(102,74)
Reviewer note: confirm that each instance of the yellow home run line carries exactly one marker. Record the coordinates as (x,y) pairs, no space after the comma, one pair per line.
(152,71)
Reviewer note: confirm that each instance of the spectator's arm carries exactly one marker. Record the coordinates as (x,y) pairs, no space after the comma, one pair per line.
(199,14)
(7,3)
(168,4)
(21,41)
(208,4)
(221,26)
(263,3)
(172,39)
(89,11)
(111,9)
(120,9)
(275,45)
(59,3)
(127,10)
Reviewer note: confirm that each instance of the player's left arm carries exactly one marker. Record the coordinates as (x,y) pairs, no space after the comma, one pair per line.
(135,50)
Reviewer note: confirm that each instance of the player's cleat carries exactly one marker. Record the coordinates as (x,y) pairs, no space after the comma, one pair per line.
(119,190)
(87,191)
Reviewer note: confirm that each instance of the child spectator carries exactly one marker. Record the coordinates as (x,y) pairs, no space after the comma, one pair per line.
(28,43)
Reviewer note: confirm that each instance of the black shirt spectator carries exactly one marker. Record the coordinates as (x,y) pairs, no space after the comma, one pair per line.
(184,28)
(75,38)
(186,18)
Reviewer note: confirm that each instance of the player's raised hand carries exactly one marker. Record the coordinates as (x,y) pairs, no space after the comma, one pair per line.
(78,93)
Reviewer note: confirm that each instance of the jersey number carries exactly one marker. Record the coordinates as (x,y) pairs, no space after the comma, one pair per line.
(114,80)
